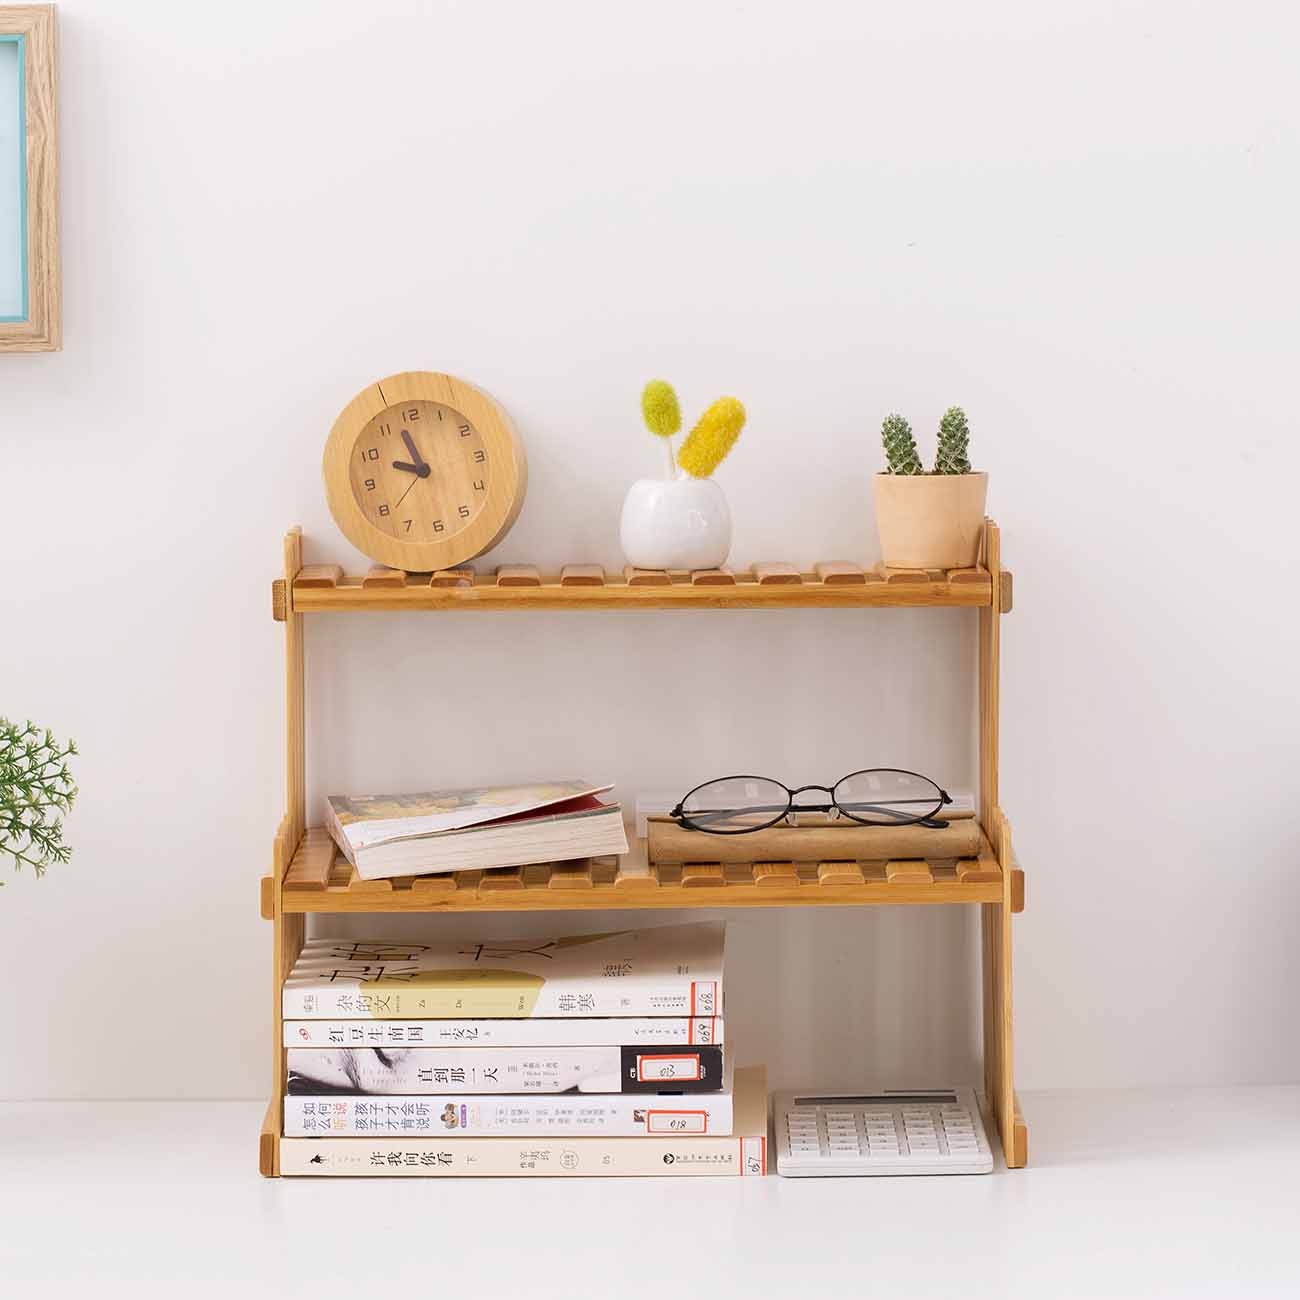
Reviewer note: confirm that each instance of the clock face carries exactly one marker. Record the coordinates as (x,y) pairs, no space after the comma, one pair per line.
(424,471)
(420,471)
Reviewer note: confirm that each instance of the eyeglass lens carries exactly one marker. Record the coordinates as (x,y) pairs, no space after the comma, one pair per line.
(737,803)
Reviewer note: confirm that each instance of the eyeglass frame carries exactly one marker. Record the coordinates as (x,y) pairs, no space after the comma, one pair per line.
(931,821)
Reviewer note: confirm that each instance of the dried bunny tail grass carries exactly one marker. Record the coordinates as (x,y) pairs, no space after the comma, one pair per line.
(663,416)
(707,444)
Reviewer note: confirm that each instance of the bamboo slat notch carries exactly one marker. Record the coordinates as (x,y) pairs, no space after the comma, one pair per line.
(903,577)
(909,871)
(582,575)
(433,886)
(518,575)
(313,576)
(635,577)
(840,873)
(769,875)
(502,878)
(384,577)
(838,573)
(571,875)
(777,573)
(452,578)
(696,875)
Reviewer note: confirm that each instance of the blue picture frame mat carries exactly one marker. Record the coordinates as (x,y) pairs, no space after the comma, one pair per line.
(20,41)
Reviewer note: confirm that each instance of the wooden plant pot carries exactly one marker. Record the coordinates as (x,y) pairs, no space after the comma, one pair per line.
(930,521)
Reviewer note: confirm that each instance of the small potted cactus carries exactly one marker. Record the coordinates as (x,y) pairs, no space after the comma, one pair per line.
(681,521)
(929,520)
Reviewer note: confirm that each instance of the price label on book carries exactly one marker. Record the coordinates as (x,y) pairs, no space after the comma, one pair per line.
(668,1068)
(704,997)
(677,1121)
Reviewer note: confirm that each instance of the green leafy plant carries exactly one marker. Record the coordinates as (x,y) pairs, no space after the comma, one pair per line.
(954,437)
(900,446)
(36,790)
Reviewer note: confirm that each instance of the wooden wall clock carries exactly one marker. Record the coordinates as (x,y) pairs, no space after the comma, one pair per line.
(424,471)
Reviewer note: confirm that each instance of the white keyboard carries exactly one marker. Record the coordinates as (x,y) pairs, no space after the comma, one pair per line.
(886,1132)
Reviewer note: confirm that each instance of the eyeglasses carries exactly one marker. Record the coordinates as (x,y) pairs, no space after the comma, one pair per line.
(879,796)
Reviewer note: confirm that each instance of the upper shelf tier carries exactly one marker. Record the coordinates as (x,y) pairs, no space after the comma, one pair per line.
(322,588)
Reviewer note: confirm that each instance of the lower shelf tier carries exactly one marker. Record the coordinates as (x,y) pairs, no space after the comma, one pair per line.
(319,879)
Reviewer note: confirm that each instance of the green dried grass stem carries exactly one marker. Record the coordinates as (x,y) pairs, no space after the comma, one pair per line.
(36,790)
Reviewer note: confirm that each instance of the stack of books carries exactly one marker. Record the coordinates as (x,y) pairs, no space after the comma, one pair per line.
(596,1054)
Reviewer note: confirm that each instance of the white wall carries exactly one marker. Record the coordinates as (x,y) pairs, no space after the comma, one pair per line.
(1078,222)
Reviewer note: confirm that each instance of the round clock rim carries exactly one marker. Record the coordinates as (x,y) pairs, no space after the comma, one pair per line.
(509,471)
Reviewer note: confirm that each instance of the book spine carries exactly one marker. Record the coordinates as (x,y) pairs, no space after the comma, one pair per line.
(583,1157)
(307,998)
(611,1031)
(429,1071)
(579,1115)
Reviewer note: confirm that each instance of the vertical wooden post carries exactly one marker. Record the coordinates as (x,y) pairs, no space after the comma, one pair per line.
(990,619)
(290,929)
(295,727)
(995,918)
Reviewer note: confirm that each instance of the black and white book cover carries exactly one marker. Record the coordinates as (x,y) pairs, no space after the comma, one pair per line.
(417,1071)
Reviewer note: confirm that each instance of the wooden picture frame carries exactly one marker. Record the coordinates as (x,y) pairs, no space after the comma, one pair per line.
(30,309)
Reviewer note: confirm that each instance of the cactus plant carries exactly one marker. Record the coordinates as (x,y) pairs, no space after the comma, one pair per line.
(954,436)
(900,446)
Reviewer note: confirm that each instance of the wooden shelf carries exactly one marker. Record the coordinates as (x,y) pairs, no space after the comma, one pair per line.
(309,877)
(320,879)
(324,588)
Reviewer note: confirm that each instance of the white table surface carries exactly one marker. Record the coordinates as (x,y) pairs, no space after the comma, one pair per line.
(1183,1194)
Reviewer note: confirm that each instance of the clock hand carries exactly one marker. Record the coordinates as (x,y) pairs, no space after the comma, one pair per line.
(422,469)
(410,485)
(410,446)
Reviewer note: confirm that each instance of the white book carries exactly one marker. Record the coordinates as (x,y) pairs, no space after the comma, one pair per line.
(610,1031)
(661,1114)
(436,831)
(745,1153)
(672,970)
(421,1071)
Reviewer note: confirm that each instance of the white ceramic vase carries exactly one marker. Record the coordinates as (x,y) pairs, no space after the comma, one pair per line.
(679,523)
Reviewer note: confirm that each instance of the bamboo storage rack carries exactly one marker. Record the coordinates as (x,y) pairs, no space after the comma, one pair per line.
(309,876)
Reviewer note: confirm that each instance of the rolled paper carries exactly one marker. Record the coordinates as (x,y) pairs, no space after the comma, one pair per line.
(669,841)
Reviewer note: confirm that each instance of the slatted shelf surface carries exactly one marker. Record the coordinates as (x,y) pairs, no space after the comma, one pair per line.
(832,584)
(319,879)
